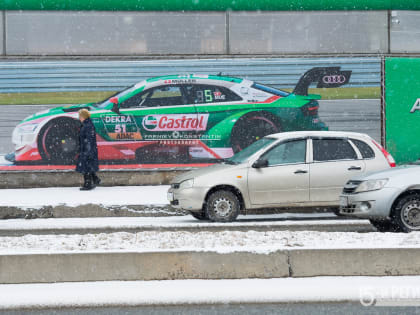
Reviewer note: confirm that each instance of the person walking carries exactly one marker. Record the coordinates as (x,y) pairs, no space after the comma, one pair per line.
(88,163)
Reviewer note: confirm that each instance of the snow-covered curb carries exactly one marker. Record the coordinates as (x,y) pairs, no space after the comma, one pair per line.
(188,292)
(220,242)
(185,221)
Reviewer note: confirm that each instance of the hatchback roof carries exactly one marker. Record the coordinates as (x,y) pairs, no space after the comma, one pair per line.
(317,133)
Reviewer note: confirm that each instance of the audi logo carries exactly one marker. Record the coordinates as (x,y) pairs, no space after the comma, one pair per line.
(337,78)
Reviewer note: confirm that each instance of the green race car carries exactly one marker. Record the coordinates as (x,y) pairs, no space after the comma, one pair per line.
(177,119)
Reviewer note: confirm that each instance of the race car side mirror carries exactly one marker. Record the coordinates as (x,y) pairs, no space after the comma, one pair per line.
(260,163)
(115,107)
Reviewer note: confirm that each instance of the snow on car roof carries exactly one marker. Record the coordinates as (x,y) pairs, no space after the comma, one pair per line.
(317,133)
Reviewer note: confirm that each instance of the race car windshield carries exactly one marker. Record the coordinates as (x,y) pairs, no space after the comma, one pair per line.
(269,89)
(105,102)
(243,155)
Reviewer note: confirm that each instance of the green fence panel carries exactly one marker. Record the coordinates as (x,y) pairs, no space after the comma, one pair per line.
(207,5)
(402,111)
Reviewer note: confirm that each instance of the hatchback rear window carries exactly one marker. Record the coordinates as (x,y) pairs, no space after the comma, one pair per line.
(364,148)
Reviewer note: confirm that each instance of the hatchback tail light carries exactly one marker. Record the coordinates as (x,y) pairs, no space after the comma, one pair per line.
(310,109)
(388,156)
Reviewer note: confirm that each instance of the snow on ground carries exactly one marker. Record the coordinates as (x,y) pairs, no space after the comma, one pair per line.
(395,290)
(174,221)
(34,198)
(223,242)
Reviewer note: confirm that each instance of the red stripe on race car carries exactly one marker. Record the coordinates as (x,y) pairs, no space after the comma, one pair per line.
(101,167)
(217,156)
(30,155)
(267,101)
(271,99)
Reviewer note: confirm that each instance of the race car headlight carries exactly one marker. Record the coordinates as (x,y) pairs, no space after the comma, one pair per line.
(372,184)
(27,128)
(186,184)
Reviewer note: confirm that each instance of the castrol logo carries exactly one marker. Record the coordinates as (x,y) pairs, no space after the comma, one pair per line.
(175,122)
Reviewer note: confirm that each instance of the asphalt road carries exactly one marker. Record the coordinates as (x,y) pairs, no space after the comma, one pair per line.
(10,116)
(344,115)
(228,309)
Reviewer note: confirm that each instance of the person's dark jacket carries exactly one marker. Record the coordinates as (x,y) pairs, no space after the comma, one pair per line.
(88,156)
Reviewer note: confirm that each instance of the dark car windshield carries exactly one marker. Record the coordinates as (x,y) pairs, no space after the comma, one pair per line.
(105,102)
(269,89)
(243,155)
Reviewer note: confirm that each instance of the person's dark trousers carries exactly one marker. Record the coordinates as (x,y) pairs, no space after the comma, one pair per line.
(88,182)
(96,179)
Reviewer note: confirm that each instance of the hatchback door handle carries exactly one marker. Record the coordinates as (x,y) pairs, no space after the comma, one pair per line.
(301,172)
(354,168)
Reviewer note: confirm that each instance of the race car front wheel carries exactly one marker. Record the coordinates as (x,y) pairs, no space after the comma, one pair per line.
(251,128)
(58,141)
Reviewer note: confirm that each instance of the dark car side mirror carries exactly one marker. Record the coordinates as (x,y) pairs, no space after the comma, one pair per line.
(260,163)
(115,107)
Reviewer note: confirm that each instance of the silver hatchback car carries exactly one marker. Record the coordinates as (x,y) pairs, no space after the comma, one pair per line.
(284,170)
(389,199)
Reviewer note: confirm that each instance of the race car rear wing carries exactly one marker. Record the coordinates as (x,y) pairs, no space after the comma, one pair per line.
(324,77)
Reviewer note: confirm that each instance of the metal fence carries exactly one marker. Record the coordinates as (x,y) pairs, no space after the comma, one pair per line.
(54,76)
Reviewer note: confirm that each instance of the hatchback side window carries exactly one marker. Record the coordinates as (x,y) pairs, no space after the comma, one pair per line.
(290,152)
(158,96)
(364,148)
(332,150)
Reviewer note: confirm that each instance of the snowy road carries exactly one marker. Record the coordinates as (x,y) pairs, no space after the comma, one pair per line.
(276,222)
(284,308)
(154,197)
(225,241)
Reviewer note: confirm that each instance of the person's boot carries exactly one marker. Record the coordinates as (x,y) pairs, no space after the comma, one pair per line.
(96,179)
(88,184)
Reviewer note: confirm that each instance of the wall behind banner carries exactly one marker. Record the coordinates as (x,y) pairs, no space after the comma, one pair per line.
(402,96)
(99,33)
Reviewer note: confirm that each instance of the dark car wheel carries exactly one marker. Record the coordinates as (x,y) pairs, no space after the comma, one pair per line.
(251,128)
(385,225)
(222,206)
(201,215)
(406,212)
(58,141)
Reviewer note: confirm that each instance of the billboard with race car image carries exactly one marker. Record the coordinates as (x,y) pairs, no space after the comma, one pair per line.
(177,119)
